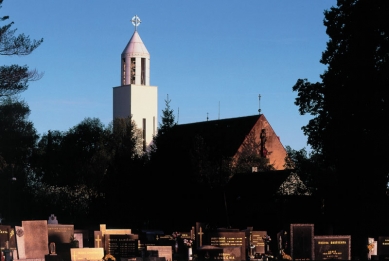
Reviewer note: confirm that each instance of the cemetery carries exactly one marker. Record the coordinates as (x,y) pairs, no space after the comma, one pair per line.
(49,240)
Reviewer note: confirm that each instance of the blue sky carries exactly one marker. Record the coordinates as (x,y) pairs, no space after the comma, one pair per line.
(203,53)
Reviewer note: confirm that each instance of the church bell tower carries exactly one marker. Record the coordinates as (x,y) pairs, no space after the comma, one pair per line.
(135,97)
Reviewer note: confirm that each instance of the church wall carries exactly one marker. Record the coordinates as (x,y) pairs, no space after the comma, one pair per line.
(276,151)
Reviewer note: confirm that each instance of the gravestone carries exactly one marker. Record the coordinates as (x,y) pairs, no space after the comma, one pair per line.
(7,233)
(52,220)
(61,236)
(20,242)
(79,236)
(98,239)
(230,240)
(256,239)
(35,239)
(104,231)
(186,235)
(164,240)
(220,253)
(90,254)
(383,247)
(301,241)
(200,237)
(121,246)
(163,251)
(332,247)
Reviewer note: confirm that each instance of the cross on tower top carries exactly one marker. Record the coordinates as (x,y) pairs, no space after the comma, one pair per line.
(136,21)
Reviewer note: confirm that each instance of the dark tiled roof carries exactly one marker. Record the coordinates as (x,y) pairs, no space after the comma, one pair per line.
(225,135)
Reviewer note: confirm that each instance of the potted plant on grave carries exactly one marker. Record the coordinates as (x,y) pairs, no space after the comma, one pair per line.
(74,242)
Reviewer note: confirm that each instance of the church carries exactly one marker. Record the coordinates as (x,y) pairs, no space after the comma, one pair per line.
(233,138)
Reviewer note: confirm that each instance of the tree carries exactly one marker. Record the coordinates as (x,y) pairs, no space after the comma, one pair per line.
(17,140)
(350,105)
(350,110)
(17,135)
(165,128)
(14,78)
(318,177)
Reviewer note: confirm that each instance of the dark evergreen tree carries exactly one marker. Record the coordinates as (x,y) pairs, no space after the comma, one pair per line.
(161,140)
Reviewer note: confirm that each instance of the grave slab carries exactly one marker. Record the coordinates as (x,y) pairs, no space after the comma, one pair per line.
(35,239)
(90,254)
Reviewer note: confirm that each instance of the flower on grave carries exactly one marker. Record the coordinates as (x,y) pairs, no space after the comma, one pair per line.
(176,235)
(188,242)
(109,257)
(370,247)
(266,239)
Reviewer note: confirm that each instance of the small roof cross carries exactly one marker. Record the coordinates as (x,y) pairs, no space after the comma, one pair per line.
(136,21)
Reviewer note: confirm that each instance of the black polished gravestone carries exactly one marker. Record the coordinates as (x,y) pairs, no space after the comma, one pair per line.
(256,239)
(332,247)
(383,248)
(301,241)
(121,246)
(7,234)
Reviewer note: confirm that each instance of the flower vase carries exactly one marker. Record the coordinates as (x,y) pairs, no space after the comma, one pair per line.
(189,253)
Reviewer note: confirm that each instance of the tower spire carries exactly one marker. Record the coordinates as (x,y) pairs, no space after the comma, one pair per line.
(259,103)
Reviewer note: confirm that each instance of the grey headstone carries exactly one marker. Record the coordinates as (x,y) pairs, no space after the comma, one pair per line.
(52,219)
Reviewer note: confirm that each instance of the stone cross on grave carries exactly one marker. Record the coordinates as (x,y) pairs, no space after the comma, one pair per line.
(201,236)
(98,240)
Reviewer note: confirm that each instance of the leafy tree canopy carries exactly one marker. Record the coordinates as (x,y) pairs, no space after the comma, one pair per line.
(350,105)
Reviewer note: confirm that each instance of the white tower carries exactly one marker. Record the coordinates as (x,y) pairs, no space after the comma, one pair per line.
(135,96)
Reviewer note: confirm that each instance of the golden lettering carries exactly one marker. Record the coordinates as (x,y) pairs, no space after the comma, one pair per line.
(338,243)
